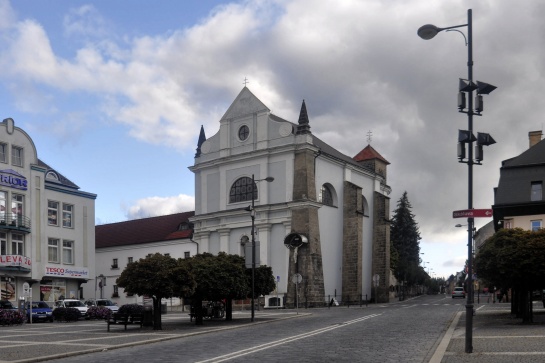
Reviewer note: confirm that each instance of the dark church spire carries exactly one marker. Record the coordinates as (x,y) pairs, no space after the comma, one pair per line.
(304,127)
(202,139)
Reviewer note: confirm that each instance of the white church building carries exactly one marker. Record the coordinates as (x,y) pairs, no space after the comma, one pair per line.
(333,207)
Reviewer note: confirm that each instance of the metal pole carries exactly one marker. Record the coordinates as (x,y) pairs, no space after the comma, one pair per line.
(253,247)
(469,305)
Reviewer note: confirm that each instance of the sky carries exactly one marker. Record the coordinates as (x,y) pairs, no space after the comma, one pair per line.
(114,93)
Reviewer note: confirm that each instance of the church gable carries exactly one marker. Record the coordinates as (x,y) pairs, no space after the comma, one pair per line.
(245,104)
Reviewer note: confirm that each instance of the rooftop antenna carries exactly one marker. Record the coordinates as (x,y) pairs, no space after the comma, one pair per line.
(369,137)
(245,81)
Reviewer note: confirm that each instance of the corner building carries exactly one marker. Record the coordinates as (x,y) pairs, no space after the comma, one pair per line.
(47,228)
(335,206)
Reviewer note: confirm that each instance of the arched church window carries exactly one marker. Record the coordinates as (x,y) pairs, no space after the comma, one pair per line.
(242,190)
(326,195)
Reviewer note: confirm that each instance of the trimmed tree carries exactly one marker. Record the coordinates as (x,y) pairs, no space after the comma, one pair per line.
(514,259)
(159,277)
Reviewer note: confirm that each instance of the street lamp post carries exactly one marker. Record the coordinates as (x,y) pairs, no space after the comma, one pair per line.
(427,32)
(252,214)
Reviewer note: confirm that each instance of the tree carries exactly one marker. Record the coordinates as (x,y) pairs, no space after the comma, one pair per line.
(160,277)
(514,259)
(218,277)
(225,277)
(405,239)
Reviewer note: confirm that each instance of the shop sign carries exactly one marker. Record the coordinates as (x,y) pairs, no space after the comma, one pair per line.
(66,271)
(11,178)
(15,261)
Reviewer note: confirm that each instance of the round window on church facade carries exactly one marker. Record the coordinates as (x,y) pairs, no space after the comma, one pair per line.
(243,132)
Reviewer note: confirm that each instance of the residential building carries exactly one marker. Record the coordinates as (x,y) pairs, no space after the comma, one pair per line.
(118,244)
(322,224)
(47,224)
(518,199)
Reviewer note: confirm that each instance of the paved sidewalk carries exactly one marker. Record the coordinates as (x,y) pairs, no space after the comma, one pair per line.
(497,337)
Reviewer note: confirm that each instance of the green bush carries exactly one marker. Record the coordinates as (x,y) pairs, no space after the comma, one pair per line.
(11,317)
(131,309)
(66,314)
(98,312)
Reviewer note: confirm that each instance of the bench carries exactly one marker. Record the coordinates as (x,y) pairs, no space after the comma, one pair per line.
(125,319)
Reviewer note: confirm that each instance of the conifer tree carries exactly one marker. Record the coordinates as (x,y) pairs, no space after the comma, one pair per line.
(405,242)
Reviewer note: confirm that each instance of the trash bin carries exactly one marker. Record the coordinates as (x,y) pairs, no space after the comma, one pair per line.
(163,309)
(148,316)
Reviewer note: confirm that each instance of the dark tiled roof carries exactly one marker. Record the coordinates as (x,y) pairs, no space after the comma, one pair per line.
(145,230)
(517,175)
(62,179)
(532,156)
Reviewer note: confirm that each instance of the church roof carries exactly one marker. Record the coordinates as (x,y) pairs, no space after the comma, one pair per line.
(145,230)
(245,103)
(368,153)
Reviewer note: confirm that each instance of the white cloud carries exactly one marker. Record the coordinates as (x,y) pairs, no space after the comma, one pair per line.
(157,206)
(358,64)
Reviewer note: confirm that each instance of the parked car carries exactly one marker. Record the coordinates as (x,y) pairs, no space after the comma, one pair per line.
(72,303)
(458,292)
(7,305)
(103,302)
(40,311)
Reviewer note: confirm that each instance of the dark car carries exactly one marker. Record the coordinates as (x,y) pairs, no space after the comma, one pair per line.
(40,311)
(7,305)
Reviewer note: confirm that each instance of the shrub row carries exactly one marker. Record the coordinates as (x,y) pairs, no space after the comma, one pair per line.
(11,317)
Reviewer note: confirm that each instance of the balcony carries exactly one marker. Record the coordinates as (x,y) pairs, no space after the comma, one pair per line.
(15,222)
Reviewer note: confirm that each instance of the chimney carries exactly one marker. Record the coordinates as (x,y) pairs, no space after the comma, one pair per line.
(535,137)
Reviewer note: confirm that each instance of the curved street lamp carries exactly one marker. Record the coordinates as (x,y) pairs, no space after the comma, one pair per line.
(252,214)
(427,32)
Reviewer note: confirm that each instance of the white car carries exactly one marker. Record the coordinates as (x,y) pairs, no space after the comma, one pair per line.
(72,303)
(458,292)
(103,302)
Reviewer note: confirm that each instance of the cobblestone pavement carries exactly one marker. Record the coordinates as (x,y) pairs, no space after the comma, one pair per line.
(425,329)
(498,337)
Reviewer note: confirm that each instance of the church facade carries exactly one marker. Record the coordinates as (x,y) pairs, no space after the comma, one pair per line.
(322,223)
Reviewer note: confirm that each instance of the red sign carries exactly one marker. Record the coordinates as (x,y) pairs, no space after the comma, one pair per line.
(472,213)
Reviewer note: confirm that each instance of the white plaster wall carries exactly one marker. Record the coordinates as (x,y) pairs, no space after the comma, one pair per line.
(105,256)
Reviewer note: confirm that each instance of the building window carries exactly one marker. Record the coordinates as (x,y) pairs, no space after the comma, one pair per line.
(17,156)
(243,132)
(536,193)
(52,213)
(3,152)
(187,254)
(536,225)
(3,197)
(17,244)
(116,291)
(53,250)
(114,263)
(241,191)
(17,203)
(129,260)
(68,252)
(67,215)
(3,244)
(325,195)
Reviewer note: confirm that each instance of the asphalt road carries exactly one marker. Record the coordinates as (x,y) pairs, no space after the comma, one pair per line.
(408,331)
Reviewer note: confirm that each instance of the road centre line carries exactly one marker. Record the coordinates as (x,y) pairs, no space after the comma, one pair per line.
(269,345)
